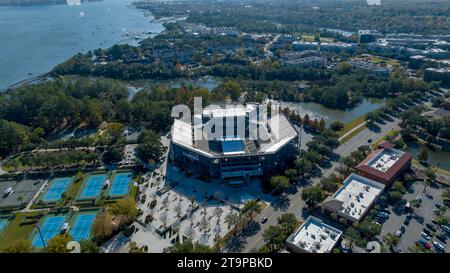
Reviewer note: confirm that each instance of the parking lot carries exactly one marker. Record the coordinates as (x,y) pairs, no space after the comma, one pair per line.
(422,215)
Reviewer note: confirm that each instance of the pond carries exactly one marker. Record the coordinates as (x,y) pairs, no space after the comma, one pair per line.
(435,158)
(315,110)
(208,82)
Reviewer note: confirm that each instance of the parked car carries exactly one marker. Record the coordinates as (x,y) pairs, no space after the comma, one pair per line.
(426,236)
(382,215)
(442,237)
(264,220)
(439,246)
(446,228)
(7,192)
(427,231)
(419,198)
(409,216)
(424,243)
(430,227)
(402,229)
(406,222)
(398,233)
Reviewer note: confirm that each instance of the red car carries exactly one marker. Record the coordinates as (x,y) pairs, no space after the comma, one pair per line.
(424,243)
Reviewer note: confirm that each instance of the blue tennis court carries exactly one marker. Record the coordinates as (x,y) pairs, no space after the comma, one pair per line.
(120,184)
(57,187)
(82,227)
(3,225)
(93,186)
(49,229)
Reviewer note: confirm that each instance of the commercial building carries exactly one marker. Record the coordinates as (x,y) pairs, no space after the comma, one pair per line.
(385,164)
(301,46)
(437,74)
(368,36)
(307,62)
(370,68)
(338,47)
(235,142)
(313,236)
(354,199)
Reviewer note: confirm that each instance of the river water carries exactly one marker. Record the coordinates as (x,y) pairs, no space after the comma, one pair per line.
(435,158)
(35,39)
(315,110)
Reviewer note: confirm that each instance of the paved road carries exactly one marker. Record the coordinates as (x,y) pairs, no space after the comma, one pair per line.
(352,130)
(294,203)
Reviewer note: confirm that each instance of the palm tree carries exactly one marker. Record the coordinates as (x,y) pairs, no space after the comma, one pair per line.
(391,241)
(232,219)
(430,176)
(251,207)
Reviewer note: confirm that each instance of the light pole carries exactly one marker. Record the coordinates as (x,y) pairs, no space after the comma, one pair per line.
(40,234)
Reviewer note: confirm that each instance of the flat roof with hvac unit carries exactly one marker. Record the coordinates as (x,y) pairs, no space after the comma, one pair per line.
(354,199)
(314,236)
(385,164)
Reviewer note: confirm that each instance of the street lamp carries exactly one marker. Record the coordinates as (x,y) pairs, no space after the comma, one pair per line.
(40,234)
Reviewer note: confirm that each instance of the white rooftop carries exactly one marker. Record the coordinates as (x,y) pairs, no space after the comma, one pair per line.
(228,111)
(315,236)
(357,194)
(385,159)
(271,134)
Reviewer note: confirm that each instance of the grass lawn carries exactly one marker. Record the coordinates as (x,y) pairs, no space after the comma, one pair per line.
(310,38)
(352,124)
(134,191)
(390,134)
(387,61)
(16,231)
(352,134)
(74,188)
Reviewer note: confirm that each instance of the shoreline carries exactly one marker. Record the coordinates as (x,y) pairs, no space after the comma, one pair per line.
(45,76)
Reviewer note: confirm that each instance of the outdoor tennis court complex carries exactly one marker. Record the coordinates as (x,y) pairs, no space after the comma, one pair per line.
(3,224)
(52,225)
(56,189)
(93,186)
(120,185)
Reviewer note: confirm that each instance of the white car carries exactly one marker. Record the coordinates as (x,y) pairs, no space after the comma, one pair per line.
(8,192)
(446,228)
(398,233)
(426,236)
(438,246)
